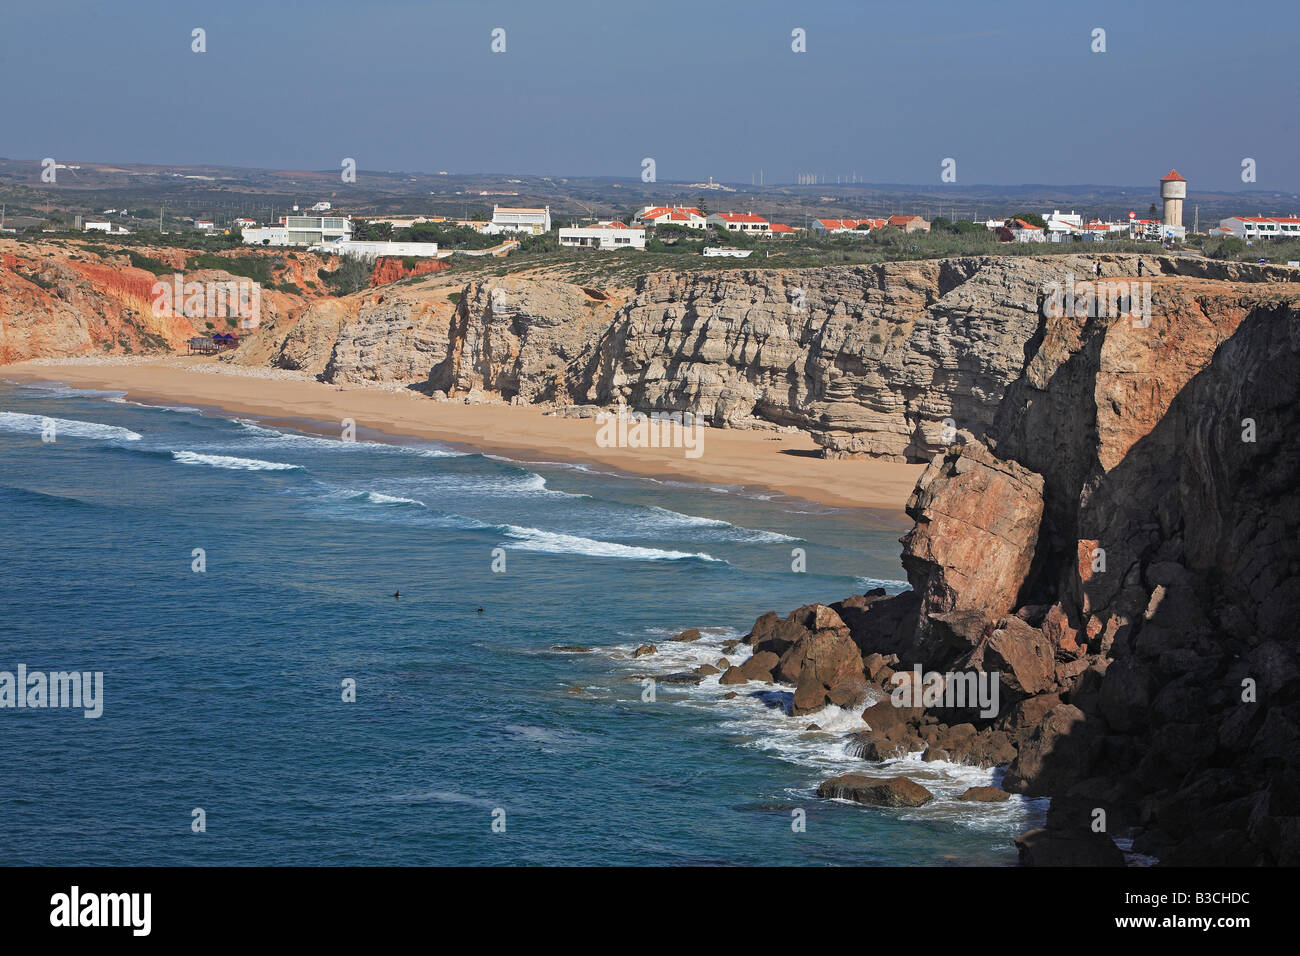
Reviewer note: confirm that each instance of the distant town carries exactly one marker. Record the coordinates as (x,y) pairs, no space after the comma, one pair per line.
(321,228)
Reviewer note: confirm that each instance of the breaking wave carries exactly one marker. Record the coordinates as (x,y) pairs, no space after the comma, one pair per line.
(64,427)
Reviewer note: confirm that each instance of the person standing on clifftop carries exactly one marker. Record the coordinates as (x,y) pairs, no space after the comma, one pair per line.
(1139,267)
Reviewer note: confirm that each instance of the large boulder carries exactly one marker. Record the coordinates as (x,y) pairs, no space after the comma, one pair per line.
(760,666)
(874,791)
(825,664)
(1021,656)
(984,795)
(813,621)
(976,530)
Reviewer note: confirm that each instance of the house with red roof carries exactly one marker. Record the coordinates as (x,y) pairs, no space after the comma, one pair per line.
(687,216)
(747,222)
(1017,230)
(909,223)
(610,234)
(1262,227)
(827,227)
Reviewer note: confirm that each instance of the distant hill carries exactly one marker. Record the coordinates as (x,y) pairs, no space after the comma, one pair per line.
(222,193)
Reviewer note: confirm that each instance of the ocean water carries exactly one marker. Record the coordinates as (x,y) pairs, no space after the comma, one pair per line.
(223,688)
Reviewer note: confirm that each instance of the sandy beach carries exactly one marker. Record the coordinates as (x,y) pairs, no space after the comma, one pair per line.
(756,460)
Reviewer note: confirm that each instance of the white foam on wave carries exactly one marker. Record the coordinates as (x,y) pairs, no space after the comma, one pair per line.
(232,463)
(59,390)
(756,719)
(183,409)
(555,542)
(378,498)
(673,656)
(892,587)
(64,427)
(283,439)
(527,485)
(653,518)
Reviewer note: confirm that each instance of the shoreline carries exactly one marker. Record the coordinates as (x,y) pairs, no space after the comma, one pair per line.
(776,462)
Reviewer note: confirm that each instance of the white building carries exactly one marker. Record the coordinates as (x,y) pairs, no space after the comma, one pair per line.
(740,222)
(1063,225)
(605,235)
(1095,230)
(1246,227)
(1022,231)
(265,236)
(365,247)
(687,216)
(1154,230)
(321,207)
(513,219)
(729,253)
(300,231)
(97,227)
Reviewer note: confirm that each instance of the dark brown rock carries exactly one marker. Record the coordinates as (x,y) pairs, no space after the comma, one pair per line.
(830,671)
(888,792)
(1057,754)
(985,795)
(760,666)
(1047,848)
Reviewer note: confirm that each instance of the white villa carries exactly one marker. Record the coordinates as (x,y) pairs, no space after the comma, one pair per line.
(299,231)
(740,222)
(687,216)
(345,246)
(1258,227)
(603,235)
(510,219)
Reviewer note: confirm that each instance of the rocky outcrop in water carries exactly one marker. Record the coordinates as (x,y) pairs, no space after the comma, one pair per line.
(1123,551)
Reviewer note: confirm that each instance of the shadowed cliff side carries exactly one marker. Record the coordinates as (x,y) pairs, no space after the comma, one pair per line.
(1124,553)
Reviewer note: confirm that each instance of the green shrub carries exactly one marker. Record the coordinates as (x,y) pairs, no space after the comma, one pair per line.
(149,264)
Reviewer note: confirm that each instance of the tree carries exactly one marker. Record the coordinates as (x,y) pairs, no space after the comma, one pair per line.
(1033,218)
(1152,213)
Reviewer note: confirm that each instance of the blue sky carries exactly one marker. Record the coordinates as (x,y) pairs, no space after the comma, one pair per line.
(886,90)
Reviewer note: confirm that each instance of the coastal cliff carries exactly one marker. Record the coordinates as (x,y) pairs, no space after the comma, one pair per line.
(884,361)
(1121,550)
(1108,525)
(880,361)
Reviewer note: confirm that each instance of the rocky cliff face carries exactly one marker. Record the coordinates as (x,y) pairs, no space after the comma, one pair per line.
(524,339)
(1122,551)
(885,360)
(54,303)
(889,360)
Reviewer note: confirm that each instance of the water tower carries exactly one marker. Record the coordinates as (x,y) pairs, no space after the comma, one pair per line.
(1173,190)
